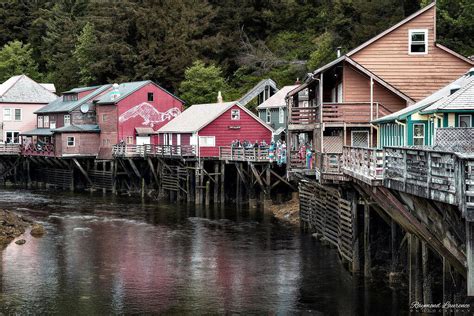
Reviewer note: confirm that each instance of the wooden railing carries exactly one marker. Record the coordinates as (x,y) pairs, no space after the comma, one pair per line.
(304,115)
(327,165)
(244,154)
(357,112)
(131,151)
(431,174)
(365,164)
(9,149)
(331,163)
(170,150)
(35,149)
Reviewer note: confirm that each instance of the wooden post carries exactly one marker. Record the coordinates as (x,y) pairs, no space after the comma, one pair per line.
(447,282)
(143,188)
(208,192)
(367,254)
(197,199)
(28,174)
(355,235)
(414,277)
(237,187)
(427,277)
(216,182)
(470,257)
(268,198)
(222,182)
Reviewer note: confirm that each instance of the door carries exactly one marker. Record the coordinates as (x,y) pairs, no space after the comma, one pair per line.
(143,140)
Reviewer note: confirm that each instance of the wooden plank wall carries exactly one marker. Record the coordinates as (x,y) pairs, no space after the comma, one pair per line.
(323,211)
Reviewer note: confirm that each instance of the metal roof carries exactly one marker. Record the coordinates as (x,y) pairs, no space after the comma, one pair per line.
(22,89)
(461,100)
(38,132)
(59,105)
(84,128)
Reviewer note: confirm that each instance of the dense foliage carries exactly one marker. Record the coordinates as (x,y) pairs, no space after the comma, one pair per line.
(74,42)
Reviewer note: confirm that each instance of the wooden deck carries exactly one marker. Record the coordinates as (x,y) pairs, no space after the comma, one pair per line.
(141,151)
(244,154)
(10,149)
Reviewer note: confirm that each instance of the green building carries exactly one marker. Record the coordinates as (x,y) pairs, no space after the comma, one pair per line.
(416,125)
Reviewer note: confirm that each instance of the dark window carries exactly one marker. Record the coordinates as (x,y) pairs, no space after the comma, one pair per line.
(150,96)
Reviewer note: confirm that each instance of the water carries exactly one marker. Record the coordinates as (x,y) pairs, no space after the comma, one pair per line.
(107,255)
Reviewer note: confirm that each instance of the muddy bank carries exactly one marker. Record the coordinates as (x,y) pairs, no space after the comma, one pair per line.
(288,212)
(13,225)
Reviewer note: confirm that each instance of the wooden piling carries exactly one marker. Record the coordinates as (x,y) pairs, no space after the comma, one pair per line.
(222,200)
(427,276)
(208,193)
(355,235)
(216,182)
(367,254)
(414,275)
(470,257)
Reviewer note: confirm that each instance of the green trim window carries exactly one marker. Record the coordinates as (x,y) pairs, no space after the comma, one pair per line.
(268,116)
(281,115)
(465,120)
(418,134)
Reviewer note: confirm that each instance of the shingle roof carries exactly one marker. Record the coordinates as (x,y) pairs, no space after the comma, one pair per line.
(427,102)
(22,89)
(198,116)
(59,105)
(38,132)
(278,99)
(462,99)
(91,128)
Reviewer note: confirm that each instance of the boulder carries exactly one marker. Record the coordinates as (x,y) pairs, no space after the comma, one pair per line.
(37,230)
(20,242)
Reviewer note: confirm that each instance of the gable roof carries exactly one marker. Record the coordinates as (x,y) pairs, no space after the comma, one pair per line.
(426,102)
(389,30)
(256,90)
(127,88)
(198,116)
(59,105)
(23,89)
(278,99)
(462,99)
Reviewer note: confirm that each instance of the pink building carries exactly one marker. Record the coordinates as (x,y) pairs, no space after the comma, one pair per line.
(20,97)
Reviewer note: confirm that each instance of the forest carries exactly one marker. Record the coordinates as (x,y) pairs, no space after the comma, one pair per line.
(196,47)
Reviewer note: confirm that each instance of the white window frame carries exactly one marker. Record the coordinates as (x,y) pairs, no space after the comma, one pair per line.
(410,33)
(268,116)
(424,133)
(281,115)
(13,137)
(170,139)
(178,139)
(207,141)
(352,137)
(68,138)
(466,115)
(235,115)
(127,140)
(9,116)
(14,114)
(45,118)
(339,93)
(67,118)
(39,119)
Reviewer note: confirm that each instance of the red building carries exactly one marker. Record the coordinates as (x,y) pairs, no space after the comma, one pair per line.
(88,121)
(209,126)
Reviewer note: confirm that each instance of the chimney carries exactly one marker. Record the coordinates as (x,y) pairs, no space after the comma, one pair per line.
(338,51)
(297,82)
(219,97)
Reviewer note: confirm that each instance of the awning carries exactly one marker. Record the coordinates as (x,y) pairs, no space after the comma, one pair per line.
(38,132)
(144,131)
(279,131)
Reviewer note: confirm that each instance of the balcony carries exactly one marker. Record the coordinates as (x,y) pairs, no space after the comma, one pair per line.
(325,166)
(338,113)
(36,149)
(352,113)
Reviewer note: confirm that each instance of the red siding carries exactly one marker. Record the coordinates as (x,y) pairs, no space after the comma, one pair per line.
(86,144)
(250,129)
(108,129)
(162,101)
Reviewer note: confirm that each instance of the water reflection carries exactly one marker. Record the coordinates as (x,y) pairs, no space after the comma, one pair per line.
(113,255)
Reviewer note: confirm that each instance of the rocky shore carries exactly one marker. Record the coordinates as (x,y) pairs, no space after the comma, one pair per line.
(13,225)
(287,211)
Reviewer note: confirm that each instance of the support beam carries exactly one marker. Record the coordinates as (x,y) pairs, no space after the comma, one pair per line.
(152,168)
(367,253)
(216,182)
(283,180)
(222,182)
(355,235)
(134,168)
(470,257)
(414,273)
(83,171)
(427,276)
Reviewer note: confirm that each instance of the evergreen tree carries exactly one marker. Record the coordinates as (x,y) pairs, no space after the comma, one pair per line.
(87,54)
(201,84)
(15,59)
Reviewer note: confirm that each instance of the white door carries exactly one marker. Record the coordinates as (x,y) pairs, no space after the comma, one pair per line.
(143,140)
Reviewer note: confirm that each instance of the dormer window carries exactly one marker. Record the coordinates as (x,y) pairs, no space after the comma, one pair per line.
(418,42)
